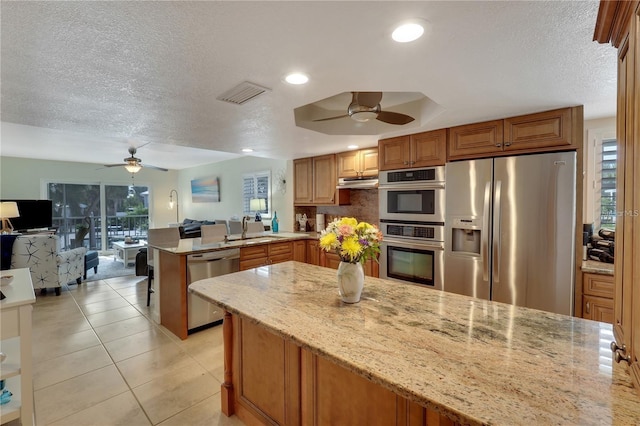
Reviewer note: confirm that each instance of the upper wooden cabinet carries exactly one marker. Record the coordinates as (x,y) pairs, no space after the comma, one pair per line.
(315,181)
(418,150)
(544,131)
(358,163)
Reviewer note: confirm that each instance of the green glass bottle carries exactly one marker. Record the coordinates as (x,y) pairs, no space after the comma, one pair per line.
(274,223)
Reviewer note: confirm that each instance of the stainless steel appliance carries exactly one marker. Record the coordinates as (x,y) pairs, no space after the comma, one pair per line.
(510,230)
(200,313)
(412,252)
(412,195)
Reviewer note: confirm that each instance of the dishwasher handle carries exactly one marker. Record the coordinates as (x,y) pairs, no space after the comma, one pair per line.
(213,256)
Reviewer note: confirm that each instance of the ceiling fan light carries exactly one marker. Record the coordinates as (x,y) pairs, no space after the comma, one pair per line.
(133,168)
(407,32)
(363,116)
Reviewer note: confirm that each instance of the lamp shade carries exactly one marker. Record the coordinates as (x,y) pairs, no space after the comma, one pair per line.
(132,167)
(9,209)
(257,204)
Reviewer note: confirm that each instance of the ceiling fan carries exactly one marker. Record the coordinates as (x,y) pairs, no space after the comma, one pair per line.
(133,164)
(365,106)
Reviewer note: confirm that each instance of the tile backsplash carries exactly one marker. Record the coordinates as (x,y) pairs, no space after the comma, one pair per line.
(364,207)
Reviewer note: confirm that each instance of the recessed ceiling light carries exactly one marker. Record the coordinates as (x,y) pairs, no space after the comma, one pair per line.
(352,147)
(247,150)
(296,78)
(409,31)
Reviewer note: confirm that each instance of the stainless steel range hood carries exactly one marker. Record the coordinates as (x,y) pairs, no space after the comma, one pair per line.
(358,183)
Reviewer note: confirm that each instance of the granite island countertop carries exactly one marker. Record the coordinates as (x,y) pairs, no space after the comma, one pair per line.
(477,361)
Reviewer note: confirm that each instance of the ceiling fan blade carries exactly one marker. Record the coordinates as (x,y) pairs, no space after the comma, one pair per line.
(114,165)
(369,99)
(394,117)
(146,166)
(332,118)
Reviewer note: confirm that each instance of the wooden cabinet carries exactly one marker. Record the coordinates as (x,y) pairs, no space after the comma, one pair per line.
(265,254)
(332,260)
(315,181)
(597,297)
(313,252)
(300,251)
(417,150)
(16,343)
(619,23)
(545,131)
(362,163)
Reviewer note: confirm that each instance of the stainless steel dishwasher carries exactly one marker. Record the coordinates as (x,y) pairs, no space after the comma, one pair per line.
(201,313)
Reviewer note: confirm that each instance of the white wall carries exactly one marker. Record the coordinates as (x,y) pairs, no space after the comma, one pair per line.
(25,178)
(230,175)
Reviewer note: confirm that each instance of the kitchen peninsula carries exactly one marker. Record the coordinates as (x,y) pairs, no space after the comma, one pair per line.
(171,274)
(295,354)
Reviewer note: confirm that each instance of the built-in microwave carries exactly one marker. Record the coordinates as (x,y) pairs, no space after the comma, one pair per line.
(412,195)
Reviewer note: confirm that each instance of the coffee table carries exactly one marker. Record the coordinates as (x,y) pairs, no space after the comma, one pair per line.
(126,252)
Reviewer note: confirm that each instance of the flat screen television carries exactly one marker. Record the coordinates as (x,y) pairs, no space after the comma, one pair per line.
(34,214)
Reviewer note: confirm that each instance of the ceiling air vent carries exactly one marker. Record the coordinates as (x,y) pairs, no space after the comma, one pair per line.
(242,93)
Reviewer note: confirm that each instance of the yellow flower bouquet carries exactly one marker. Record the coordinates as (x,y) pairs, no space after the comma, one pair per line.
(353,241)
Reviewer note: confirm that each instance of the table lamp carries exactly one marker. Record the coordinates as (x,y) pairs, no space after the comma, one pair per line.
(258,205)
(8,209)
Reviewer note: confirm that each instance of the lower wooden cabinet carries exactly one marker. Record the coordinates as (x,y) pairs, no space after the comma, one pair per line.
(265,254)
(313,252)
(269,380)
(597,297)
(332,260)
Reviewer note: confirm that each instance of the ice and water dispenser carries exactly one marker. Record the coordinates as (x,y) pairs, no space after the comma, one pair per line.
(466,234)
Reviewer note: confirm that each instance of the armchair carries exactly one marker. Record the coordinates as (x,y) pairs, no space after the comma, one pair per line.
(49,267)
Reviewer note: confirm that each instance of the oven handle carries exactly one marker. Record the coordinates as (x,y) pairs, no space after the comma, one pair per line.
(413,186)
(413,243)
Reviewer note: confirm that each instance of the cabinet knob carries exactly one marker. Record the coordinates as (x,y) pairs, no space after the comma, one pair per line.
(620,357)
(588,303)
(507,144)
(614,347)
(499,145)
(406,163)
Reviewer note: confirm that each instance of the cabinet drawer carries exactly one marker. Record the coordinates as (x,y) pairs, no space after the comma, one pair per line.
(598,285)
(278,249)
(261,251)
(252,263)
(279,258)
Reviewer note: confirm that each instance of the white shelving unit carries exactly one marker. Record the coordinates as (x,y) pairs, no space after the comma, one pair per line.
(15,342)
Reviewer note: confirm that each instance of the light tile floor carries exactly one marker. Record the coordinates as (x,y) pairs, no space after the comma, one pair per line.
(98,359)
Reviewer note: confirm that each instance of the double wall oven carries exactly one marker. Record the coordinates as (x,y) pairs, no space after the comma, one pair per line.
(412,223)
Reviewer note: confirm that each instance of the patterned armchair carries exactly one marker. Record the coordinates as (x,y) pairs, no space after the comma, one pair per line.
(50,268)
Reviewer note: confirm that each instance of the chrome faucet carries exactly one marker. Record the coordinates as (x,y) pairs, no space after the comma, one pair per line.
(245,225)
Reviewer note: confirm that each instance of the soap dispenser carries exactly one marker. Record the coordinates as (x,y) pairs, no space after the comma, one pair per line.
(274,223)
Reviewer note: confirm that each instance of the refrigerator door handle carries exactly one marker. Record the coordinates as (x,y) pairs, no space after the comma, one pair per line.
(497,210)
(484,248)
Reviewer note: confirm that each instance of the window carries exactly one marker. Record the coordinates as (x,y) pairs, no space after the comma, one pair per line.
(607,183)
(256,186)
(83,219)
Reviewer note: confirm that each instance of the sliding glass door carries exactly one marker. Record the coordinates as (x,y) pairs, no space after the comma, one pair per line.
(84,213)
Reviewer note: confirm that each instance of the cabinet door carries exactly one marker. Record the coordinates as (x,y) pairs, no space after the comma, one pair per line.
(475,140)
(597,309)
(303,181)
(349,164)
(394,153)
(598,285)
(324,179)
(331,260)
(429,149)
(313,253)
(300,251)
(536,131)
(369,162)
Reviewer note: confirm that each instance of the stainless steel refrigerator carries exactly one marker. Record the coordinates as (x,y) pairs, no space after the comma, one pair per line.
(509,230)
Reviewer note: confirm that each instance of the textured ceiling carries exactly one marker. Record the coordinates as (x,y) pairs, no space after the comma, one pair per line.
(86,78)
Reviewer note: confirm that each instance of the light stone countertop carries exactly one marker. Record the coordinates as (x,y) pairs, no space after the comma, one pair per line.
(194,245)
(480,362)
(595,267)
